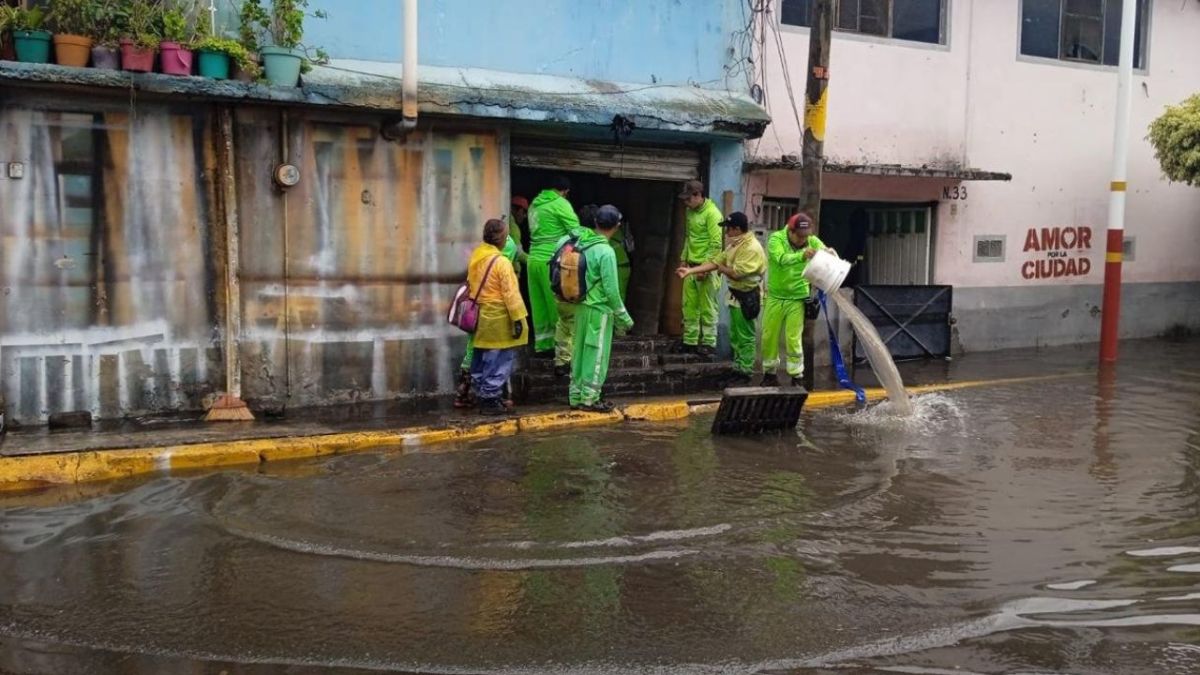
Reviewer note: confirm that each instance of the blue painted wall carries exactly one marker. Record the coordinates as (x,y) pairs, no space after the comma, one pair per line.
(643,41)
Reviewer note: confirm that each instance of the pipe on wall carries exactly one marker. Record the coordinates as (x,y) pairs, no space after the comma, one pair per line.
(408,103)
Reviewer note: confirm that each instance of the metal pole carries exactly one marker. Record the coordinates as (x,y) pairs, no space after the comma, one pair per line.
(1110,317)
(816,94)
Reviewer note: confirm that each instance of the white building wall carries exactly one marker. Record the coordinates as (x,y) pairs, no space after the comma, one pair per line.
(976,102)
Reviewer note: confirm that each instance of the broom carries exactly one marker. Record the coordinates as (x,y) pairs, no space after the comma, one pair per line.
(230,407)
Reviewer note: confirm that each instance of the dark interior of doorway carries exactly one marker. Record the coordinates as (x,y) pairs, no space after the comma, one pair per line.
(653,217)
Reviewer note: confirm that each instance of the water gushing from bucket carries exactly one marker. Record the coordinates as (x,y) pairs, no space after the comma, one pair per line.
(827,272)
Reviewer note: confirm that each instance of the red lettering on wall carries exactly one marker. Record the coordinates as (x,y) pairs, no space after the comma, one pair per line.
(1031,241)
(1085,238)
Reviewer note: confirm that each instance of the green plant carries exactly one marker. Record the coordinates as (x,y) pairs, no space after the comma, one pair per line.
(1175,136)
(175,26)
(112,21)
(74,17)
(231,48)
(144,22)
(22,19)
(252,22)
(286,23)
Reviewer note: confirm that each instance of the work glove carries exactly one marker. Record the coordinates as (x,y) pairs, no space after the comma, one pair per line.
(623,327)
(518,329)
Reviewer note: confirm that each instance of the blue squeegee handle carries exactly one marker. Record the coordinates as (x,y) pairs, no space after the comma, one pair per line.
(835,355)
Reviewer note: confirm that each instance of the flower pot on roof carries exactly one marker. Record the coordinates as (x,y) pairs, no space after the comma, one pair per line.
(216,57)
(31,43)
(179,30)
(106,35)
(73,21)
(284,58)
(142,32)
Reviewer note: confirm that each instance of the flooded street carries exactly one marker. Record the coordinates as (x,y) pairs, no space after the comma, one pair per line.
(1045,526)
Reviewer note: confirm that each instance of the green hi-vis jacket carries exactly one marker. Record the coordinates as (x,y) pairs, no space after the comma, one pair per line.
(703,234)
(551,217)
(785,266)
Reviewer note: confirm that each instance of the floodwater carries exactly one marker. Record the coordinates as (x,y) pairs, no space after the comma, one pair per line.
(1045,526)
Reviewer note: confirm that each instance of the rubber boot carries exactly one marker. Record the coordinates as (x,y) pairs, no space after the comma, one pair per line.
(462,391)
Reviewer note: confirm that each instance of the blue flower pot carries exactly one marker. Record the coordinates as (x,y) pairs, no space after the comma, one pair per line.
(282,66)
(33,46)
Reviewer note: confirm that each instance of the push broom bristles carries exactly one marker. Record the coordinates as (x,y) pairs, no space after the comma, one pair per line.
(229,408)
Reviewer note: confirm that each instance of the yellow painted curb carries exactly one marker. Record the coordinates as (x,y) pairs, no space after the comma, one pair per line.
(657,412)
(567,418)
(429,436)
(37,471)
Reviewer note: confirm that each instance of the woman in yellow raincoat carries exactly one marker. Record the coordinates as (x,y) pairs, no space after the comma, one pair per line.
(501,329)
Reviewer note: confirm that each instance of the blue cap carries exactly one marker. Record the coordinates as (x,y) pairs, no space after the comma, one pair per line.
(608,216)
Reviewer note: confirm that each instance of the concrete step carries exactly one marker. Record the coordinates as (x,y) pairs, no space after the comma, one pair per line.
(679,378)
(623,361)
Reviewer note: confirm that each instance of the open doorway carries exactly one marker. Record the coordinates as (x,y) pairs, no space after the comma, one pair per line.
(890,243)
(654,231)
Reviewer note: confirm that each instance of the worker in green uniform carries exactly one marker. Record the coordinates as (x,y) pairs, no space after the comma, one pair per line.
(743,263)
(622,246)
(596,317)
(788,253)
(702,244)
(462,391)
(550,219)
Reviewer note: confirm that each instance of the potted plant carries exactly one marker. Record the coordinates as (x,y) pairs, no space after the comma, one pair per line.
(251,19)
(110,24)
(73,21)
(215,55)
(284,58)
(7,53)
(143,21)
(178,32)
(31,42)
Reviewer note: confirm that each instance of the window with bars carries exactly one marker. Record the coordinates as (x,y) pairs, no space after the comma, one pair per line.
(914,20)
(1087,31)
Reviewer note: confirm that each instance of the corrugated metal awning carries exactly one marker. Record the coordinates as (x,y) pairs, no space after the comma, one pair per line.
(648,163)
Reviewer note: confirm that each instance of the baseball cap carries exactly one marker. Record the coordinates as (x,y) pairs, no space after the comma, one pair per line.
(692,187)
(520,202)
(608,216)
(794,222)
(736,219)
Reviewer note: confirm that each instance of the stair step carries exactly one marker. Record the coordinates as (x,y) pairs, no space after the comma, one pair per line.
(682,378)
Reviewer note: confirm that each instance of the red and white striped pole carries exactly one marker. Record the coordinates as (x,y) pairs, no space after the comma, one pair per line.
(1110,316)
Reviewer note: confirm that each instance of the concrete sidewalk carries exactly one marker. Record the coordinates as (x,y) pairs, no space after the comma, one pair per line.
(43,459)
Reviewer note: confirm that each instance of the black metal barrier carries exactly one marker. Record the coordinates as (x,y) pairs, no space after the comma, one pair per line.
(914,321)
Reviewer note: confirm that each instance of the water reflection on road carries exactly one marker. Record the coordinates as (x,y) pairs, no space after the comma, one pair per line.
(1046,526)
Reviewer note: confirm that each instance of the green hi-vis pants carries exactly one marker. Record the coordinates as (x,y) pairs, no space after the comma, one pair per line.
(623,272)
(466,362)
(543,305)
(743,340)
(700,310)
(564,333)
(783,318)
(593,345)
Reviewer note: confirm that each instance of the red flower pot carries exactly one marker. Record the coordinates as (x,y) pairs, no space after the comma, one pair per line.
(175,59)
(134,58)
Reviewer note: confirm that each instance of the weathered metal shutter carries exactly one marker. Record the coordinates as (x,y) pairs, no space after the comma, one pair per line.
(899,246)
(673,164)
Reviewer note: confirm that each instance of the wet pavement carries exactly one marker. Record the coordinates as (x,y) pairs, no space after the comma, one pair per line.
(1050,526)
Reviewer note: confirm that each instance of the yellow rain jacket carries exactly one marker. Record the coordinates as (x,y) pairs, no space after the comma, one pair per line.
(500,303)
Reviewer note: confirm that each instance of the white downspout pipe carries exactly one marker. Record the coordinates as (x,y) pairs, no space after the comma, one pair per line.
(408,92)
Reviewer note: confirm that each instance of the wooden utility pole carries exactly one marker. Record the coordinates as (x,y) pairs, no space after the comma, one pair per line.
(816,92)
(816,95)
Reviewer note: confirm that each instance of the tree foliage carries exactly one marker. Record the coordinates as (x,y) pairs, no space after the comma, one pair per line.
(1175,136)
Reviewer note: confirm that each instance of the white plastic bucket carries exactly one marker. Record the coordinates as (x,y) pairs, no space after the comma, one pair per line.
(826,271)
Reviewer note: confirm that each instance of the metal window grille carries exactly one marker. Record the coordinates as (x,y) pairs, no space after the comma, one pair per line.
(989,248)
